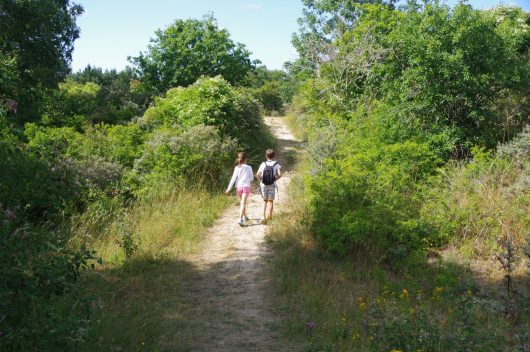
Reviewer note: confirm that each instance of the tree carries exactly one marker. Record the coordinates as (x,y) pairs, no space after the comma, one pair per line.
(189,49)
(36,43)
(121,96)
(322,22)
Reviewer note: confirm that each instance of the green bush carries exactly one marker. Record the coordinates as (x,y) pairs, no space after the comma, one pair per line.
(35,265)
(211,102)
(36,270)
(198,154)
(72,104)
(366,199)
(31,187)
(118,143)
(269,95)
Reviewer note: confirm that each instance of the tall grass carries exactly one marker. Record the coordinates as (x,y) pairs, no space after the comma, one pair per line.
(137,291)
(475,206)
(169,221)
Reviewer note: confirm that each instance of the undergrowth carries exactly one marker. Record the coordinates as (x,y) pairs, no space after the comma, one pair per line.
(355,304)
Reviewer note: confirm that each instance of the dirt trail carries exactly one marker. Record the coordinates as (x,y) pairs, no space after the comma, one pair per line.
(229,293)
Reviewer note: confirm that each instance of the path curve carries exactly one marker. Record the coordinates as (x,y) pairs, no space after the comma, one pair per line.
(230,294)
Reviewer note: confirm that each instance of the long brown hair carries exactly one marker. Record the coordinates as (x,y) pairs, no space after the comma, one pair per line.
(241,158)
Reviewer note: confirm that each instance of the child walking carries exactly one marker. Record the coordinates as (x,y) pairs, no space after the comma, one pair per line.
(268,173)
(242,177)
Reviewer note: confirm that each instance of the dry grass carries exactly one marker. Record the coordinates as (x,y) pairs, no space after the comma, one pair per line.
(139,302)
(169,222)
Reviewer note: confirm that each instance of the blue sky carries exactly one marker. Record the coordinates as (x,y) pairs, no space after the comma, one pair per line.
(111,30)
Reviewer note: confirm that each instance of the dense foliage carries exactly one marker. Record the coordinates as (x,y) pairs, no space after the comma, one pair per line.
(389,97)
(36,43)
(121,95)
(273,88)
(189,49)
(89,145)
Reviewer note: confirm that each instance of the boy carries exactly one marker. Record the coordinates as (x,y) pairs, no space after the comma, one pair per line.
(268,173)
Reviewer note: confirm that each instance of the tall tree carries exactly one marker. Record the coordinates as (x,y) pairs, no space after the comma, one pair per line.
(322,22)
(188,49)
(36,43)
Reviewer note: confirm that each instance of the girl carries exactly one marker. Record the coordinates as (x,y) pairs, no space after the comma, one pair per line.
(244,176)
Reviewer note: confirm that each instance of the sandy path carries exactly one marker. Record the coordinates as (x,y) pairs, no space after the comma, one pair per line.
(230,292)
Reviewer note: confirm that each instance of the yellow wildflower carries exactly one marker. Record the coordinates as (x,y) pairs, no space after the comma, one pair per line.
(437,292)
(404,294)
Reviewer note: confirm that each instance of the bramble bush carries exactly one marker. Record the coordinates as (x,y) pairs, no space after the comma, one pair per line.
(36,269)
(28,185)
(365,198)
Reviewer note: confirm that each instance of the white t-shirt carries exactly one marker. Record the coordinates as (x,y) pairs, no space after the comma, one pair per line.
(244,176)
(277,167)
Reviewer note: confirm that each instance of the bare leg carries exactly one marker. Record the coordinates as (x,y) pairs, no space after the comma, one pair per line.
(264,210)
(243,209)
(270,206)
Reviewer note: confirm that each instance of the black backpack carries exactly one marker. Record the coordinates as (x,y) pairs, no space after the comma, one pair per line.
(268,176)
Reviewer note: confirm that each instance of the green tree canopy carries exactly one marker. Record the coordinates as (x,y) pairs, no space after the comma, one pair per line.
(189,49)
(321,23)
(36,43)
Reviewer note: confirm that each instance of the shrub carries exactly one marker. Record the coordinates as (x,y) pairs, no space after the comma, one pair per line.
(36,269)
(518,148)
(30,187)
(212,102)
(72,104)
(366,199)
(269,95)
(171,156)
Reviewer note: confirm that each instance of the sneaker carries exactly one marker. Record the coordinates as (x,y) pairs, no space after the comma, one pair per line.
(245,218)
(242,222)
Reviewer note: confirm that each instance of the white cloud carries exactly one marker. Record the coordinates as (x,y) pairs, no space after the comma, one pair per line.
(252,7)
